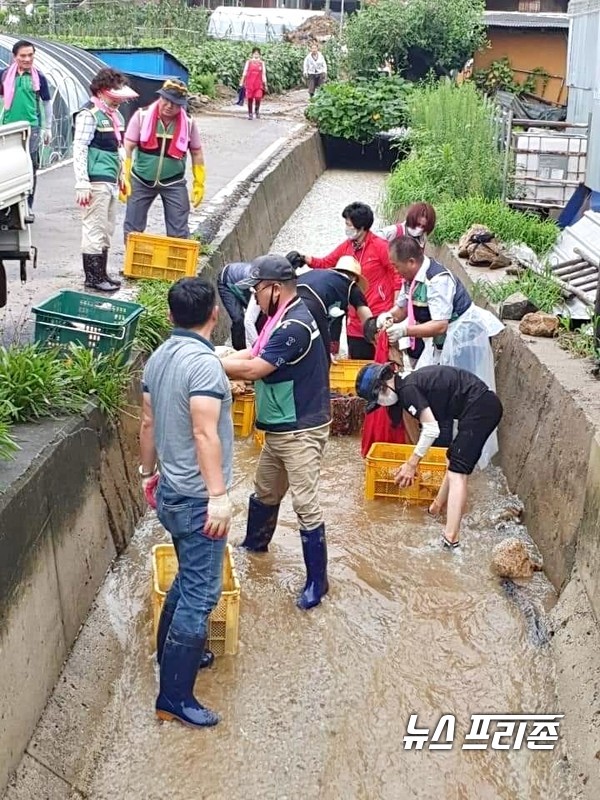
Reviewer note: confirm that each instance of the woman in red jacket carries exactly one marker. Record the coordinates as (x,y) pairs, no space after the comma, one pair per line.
(371,252)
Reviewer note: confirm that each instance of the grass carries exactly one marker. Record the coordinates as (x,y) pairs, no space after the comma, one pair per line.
(542,291)
(456,150)
(509,226)
(581,342)
(154,325)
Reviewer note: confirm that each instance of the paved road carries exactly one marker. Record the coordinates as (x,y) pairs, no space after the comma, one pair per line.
(231,143)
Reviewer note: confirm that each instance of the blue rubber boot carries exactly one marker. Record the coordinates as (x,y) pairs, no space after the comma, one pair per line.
(178,667)
(262,521)
(314,549)
(164,623)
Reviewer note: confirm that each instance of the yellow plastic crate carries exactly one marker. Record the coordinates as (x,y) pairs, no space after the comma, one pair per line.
(342,375)
(224,622)
(162,258)
(242,410)
(382,462)
(259,438)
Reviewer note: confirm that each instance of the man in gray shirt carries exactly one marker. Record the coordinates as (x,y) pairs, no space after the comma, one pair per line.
(187,426)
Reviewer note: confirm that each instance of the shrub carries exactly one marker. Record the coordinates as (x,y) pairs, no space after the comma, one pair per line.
(154,325)
(360,109)
(420,35)
(456,149)
(539,288)
(512,227)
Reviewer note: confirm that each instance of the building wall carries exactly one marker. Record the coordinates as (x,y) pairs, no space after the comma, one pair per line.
(552,6)
(528,49)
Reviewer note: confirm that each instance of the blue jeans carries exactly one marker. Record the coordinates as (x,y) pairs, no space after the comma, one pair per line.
(197,586)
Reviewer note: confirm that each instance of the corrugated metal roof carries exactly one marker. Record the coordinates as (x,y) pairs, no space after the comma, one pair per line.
(579,241)
(521,19)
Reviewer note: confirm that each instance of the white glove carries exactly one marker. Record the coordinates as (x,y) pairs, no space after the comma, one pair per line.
(397,331)
(83,194)
(47,136)
(218,516)
(384,320)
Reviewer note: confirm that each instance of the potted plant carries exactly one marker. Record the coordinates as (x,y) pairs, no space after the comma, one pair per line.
(354,120)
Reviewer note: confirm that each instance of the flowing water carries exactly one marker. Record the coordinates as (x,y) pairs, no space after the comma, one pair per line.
(315,705)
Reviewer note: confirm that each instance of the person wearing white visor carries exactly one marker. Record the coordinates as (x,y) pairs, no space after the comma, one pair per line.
(98,156)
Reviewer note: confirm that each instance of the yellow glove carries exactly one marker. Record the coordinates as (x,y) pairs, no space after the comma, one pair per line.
(125,183)
(199,173)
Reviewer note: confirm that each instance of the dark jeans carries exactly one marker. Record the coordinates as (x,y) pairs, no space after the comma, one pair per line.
(360,349)
(197,585)
(34,154)
(314,82)
(236,310)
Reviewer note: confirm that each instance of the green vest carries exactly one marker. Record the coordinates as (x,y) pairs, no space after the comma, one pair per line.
(156,165)
(104,162)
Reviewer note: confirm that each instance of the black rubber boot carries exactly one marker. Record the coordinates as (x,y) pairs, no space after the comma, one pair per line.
(262,521)
(164,623)
(93,266)
(115,281)
(314,550)
(178,667)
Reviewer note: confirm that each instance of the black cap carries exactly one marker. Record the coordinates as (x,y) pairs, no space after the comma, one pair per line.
(369,381)
(269,268)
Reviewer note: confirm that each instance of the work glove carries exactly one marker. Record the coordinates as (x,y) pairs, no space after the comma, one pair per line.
(384,320)
(334,348)
(370,329)
(47,136)
(397,331)
(199,173)
(125,183)
(149,486)
(295,259)
(83,194)
(218,516)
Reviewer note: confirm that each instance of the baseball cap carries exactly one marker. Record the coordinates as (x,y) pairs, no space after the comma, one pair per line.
(269,268)
(369,381)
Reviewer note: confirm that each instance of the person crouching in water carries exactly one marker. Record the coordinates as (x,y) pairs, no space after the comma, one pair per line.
(433,395)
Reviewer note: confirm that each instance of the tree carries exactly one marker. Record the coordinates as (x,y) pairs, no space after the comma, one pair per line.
(419,35)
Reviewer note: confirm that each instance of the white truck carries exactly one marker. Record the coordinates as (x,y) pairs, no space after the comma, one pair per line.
(16,182)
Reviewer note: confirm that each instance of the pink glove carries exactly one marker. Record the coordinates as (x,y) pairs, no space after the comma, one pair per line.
(150,490)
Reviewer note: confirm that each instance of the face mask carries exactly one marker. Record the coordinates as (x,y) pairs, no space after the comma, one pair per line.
(352,233)
(387,397)
(273,304)
(415,232)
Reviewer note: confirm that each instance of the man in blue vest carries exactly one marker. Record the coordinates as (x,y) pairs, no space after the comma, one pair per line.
(291,372)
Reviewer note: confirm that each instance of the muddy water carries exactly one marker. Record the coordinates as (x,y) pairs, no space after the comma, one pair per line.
(315,704)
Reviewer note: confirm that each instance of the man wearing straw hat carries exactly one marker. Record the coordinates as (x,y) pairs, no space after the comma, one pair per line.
(161,136)
(328,293)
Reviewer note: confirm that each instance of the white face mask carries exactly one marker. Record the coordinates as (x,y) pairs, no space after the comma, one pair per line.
(387,397)
(352,233)
(415,232)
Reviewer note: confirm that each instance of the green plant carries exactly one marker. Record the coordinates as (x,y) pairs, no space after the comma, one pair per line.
(454,218)
(456,151)
(539,288)
(580,342)
(500,76)
(360,109)
(154,325)
(8,446)
(419,35)
(206,84)
(101,378)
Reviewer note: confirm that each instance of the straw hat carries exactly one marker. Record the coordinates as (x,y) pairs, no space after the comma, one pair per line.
(351,267)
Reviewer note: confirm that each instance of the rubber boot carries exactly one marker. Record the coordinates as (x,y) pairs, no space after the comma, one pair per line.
(178,667)
(93,266)
(262,521)
(164,623)
(314,549)
(115,281)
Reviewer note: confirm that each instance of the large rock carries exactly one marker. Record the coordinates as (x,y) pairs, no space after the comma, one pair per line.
(539,324)
(516,306)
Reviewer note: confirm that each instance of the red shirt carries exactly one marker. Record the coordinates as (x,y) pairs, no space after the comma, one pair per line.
(384,281)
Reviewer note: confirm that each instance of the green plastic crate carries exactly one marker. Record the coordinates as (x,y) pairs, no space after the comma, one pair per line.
(101,324)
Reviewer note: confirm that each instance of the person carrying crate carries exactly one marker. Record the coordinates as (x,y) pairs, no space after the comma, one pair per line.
(434,395)
(187,427)
(161,136)
(291,372)
(97,162)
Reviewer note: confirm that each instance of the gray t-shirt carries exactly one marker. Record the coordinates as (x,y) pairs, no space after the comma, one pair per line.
(185,366)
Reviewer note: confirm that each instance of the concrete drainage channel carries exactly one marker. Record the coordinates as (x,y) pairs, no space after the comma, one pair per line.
(70,505)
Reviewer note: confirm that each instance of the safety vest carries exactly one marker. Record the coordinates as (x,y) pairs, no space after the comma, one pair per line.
(156,165)
(104,162)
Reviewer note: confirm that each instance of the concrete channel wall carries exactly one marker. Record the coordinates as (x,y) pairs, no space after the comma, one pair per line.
(70,501)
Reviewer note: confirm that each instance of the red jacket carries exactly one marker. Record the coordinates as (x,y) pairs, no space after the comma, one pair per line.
(384,281)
